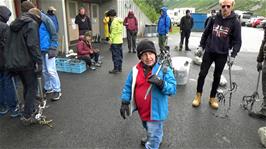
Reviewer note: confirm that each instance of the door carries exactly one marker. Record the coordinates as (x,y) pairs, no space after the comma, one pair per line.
(95,19)
(72,11)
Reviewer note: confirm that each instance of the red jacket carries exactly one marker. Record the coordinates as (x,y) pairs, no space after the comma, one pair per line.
(83,48)
(131,22)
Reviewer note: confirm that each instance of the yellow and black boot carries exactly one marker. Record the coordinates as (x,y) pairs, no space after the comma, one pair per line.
(197,100)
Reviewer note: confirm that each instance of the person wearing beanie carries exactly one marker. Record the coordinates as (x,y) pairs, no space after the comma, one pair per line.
(26,6)
(186,24)
(153,108)
(116,41)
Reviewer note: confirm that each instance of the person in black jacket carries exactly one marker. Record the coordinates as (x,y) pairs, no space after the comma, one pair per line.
(186,25)
(221,34)
(261,58)
(213,13)
(7,91)
(83,21)
(23,58)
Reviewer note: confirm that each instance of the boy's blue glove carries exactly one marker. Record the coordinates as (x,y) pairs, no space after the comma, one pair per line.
(154,79)
(124,109)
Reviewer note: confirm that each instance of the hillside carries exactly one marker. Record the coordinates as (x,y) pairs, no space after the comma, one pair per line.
(258,7)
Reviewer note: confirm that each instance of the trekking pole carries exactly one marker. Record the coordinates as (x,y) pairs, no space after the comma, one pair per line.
(39,116)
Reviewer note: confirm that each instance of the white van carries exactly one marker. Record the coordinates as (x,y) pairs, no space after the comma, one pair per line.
(179,13)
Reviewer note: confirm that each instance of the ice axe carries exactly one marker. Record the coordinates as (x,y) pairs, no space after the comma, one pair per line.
(39,116)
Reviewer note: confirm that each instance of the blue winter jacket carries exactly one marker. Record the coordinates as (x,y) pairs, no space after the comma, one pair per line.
(55,21)
(164,22)
(47,33)
(159,98)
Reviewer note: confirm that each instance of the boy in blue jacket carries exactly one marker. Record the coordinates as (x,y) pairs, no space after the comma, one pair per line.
(153,109)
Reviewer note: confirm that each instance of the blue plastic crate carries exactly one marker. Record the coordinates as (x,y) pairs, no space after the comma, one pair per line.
(70,65)
(76,66)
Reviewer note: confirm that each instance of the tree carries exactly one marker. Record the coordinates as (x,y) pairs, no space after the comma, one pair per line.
(156,4)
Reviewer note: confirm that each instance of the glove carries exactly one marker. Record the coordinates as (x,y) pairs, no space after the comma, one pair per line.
(52,53)
(154,79)
(124,109)
(38,69)
(259,66)
(230,61)
(199,51)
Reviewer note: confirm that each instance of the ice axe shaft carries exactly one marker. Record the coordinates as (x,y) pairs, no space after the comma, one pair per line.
(149,89)
(258,81)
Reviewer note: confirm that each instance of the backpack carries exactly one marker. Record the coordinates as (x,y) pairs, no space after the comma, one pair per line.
(170,27)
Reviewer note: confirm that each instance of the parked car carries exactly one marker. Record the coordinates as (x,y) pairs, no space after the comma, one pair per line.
(250,21)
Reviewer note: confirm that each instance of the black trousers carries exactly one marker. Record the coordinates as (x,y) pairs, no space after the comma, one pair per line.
(131,39)
(117,56)
(87,59)
(219,61)
(29,81)
(185,35)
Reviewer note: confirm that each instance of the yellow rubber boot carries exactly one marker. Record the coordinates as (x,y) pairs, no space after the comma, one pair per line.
(197,100)
(214,103)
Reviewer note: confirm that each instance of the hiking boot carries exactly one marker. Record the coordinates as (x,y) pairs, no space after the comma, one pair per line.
(56,96)
(261,114)
(28,121)
(214,103)
(114,71)
(15,113)
(143,140)
(180,48)
(129,51)
(197,100)
(134,51)
(187,49)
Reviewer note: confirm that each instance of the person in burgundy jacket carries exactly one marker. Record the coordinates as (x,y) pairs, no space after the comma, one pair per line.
(152,106)
(131,24)
(86,52)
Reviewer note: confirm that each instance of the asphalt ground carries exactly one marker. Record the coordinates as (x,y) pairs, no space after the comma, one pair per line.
(87,116)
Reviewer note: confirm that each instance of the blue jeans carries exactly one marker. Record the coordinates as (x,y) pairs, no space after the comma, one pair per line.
(155,134)
(51,78)
(7,91)
(117,56)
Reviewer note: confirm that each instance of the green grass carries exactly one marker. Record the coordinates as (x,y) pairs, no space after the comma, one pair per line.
(175,30)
